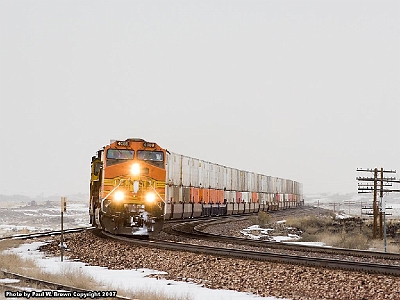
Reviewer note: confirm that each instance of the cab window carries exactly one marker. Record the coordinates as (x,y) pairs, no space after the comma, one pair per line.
(117,156)
(155,158)
(150,155)
(120,154)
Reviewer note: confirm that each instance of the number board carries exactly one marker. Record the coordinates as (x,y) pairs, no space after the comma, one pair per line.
(149,145)
(123,143)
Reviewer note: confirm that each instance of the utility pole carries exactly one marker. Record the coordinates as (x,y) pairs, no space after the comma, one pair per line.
(349,203)
(63,210)
(371,186)
(334,204)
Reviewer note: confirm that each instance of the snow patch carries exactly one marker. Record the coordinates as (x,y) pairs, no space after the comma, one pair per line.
(129,279)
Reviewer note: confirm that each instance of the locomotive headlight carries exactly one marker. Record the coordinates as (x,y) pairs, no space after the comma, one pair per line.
(135,169)
(150,197)
(119,196)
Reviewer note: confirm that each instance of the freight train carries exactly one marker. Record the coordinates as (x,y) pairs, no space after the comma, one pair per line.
(135,185)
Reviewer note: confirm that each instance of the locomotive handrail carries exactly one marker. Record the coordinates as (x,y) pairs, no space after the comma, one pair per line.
(112,191)
(157,193)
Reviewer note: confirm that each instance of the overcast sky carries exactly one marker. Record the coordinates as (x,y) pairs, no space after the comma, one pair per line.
(305,90)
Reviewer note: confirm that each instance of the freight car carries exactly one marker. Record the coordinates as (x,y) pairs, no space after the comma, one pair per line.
(135,185)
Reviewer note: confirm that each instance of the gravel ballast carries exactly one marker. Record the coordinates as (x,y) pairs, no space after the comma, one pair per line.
(260,278)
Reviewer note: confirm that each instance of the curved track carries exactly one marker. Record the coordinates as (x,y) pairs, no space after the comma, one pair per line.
(195,229)
(336,258)
(266,256)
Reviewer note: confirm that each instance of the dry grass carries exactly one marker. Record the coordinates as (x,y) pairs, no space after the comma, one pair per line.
(7,244)
(350,240)
(148,294)
(263,218)
(310,224)
(342,234)
(13,262)
(306,237)
(377,245)
(72,276)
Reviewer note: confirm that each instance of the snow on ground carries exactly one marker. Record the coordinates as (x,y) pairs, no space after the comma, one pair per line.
(316,244)
(9,280)
(342,216)
(44,217)
(281,238)
(255,232)
(129,279)
(261,232)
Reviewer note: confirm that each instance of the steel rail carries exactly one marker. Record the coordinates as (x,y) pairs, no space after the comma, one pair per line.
(198,231)
(53,286)
(44,233)
(265,256)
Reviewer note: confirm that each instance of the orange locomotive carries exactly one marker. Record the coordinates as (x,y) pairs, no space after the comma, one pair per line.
(127,187)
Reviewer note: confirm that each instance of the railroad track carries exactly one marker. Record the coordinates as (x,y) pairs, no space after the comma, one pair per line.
(43,234)
(251,258)
(27,287)
(195,229)
(264,256)
(47,289)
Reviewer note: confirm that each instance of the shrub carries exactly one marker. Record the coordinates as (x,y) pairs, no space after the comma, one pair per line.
(306,237)
(391,246)
(352,241)
(263,218)
(310,224)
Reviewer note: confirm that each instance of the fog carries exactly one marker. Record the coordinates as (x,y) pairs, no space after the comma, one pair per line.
(303,90)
